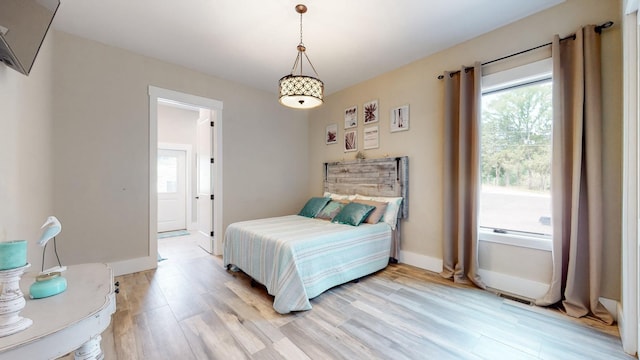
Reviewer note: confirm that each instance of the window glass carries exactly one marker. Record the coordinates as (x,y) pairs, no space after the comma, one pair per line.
(516,158)
(167,174)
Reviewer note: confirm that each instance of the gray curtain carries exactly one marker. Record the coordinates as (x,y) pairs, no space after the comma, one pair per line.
(462,174)
(576,183)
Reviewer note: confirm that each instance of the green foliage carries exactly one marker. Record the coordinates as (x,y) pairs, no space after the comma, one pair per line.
(516,137)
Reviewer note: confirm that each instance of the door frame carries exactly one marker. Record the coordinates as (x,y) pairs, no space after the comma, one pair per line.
(215,106)
(188,178)
(629,308)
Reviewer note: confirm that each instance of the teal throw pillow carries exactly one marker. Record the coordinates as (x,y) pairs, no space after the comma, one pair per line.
(331,210)
(353,214)
(313,206)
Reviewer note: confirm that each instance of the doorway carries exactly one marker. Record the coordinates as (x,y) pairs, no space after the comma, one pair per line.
(203,180)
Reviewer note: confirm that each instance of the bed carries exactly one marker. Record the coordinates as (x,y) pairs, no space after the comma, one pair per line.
(298,257)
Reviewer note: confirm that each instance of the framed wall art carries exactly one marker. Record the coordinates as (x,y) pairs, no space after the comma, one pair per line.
(351,117)
(400,118)
(370,111)
(331,134)
(350,141)
(371,138)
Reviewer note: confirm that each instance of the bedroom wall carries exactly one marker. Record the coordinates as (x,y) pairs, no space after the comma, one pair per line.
(26,157)
(101,146)
(416,84)
(177,126)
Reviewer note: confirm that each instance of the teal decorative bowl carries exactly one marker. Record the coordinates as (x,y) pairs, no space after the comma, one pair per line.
(13,254)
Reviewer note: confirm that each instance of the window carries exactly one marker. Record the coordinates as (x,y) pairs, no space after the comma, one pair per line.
(515,196)
(167,174)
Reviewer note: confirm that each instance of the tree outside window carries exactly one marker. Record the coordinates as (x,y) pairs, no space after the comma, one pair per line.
(516,159)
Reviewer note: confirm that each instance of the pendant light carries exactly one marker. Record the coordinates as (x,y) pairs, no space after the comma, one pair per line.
(300,91)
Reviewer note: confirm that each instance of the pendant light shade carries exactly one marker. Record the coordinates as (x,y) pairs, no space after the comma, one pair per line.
(300,91)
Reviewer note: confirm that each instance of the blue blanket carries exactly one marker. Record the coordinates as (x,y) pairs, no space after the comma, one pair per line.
(298,258)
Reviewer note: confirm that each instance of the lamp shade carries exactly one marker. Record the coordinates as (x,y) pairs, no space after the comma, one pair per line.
(301,92)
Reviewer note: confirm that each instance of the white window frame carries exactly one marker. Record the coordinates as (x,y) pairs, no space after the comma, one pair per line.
(521,75)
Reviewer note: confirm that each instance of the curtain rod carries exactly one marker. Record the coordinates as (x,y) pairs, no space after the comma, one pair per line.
(598,29)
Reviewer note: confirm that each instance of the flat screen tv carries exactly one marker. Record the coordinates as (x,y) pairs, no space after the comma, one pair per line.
(23,26)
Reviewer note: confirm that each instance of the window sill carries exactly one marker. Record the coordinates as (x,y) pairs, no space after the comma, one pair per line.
(526,241)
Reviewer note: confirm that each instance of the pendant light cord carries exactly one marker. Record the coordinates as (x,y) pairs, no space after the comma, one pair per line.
(301,50)
(301,43)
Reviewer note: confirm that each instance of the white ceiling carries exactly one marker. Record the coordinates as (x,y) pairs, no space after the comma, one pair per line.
(253,42)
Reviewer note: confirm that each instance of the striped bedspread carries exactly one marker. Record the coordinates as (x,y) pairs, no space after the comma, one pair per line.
(298,258)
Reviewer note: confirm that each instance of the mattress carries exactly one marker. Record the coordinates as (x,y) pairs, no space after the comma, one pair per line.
(297,258)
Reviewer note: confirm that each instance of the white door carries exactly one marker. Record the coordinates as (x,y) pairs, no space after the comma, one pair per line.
(172,190)
(205,191)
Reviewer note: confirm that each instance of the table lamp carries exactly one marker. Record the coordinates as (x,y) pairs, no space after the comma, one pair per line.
(49,282)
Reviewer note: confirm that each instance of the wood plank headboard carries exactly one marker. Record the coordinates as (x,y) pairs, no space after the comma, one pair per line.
(372,177)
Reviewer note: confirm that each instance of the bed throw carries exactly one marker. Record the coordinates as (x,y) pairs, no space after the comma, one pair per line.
(297,258)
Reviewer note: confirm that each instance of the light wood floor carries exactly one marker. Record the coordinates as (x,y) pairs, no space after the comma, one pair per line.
(192,308)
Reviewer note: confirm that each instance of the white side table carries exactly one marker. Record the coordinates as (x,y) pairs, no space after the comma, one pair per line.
(72,320)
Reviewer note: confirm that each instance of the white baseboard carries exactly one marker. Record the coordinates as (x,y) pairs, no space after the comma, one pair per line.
(513,285)
(421,261)
(611,306)
(130,266)
(530,289)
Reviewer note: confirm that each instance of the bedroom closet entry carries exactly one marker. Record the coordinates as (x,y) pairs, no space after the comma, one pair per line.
(185,168)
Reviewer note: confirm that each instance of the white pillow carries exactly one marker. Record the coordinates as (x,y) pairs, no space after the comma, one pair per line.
(339,196)
(393,208)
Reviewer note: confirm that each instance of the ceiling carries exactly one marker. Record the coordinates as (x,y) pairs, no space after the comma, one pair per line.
(253,42)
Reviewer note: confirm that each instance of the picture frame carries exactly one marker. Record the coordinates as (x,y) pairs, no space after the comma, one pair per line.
(350,141)
(351,117)
(331,134)
(371,137)
(399,119)
(370,112)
